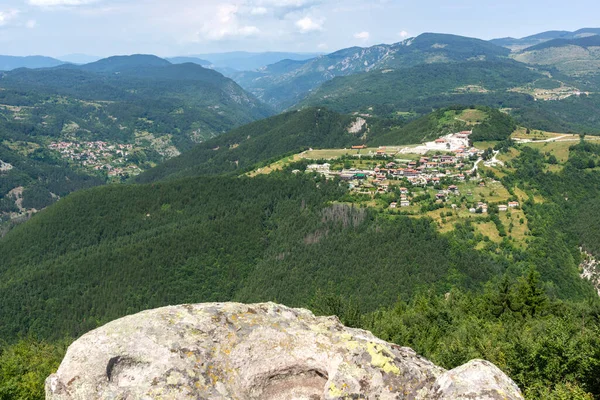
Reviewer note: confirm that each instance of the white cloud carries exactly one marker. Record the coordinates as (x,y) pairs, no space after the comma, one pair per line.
(54,3)
(288,3)
(6,16)
(323,46)
(362,35)
(258,11)
(307,24)
(247,31)
(226,25)
(403,34)
(31,24)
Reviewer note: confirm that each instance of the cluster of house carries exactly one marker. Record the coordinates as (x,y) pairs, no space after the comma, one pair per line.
(404,201)
(501,207)
(98,156)
(425,171)
(91,150)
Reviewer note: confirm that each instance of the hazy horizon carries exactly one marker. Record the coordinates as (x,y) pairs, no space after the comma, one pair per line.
(182,27)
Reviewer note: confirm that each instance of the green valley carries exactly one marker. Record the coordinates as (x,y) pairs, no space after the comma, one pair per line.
(72,127)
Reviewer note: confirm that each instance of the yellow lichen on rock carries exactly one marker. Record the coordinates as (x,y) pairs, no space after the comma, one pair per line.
(380,358)
(334,391)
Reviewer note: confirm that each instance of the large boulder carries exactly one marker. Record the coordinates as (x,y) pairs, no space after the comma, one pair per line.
(258,351)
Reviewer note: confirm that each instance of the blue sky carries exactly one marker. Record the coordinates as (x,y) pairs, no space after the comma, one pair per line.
(184,27)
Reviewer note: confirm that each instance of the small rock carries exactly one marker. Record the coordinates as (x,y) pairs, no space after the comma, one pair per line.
(478,379)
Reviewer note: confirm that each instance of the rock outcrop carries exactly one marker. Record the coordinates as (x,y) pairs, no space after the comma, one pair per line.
(258,351)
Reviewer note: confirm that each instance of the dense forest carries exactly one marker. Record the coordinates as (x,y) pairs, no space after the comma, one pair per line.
(424,83)
(215,239)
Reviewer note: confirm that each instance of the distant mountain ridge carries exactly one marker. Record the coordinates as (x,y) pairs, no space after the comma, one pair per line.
(248,61)
(119,63)
(574,57)
(79,58)
(587,41)
(528,41)
(193,60)
(283,84)
(8,63)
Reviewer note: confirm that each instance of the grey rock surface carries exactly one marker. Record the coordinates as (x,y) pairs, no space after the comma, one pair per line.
(258,351)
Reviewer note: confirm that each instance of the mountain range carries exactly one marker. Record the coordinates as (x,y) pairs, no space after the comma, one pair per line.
(578,56)
(248,61)
(8,63)
(528,41)
(283,84)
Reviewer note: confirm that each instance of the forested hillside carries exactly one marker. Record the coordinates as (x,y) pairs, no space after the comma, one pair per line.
(271,238)
(423,87)
(212,239)
(71,127)
(119,97)
(486,124)
(508,85)
(260,141)
(577,56)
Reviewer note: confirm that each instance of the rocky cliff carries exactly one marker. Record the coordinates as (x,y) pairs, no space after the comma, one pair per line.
(259,351)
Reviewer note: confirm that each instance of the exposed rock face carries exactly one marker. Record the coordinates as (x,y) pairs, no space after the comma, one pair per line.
(259,351)
(590,269)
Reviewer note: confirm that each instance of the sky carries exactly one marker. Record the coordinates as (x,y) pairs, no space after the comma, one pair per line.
(186,27)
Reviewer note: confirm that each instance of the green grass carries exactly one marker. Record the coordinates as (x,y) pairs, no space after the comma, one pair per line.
(471,116)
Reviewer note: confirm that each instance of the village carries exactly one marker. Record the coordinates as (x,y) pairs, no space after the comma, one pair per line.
(440,174)
(113,159)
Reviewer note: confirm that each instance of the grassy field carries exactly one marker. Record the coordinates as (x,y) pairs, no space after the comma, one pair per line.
(508,156)
(519,229)
(489,229)
(491,193)
(559,149)
(276,166)
(521,133)
(472,117)
(334,154)
(484,145)
(329,154)
(23,148)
